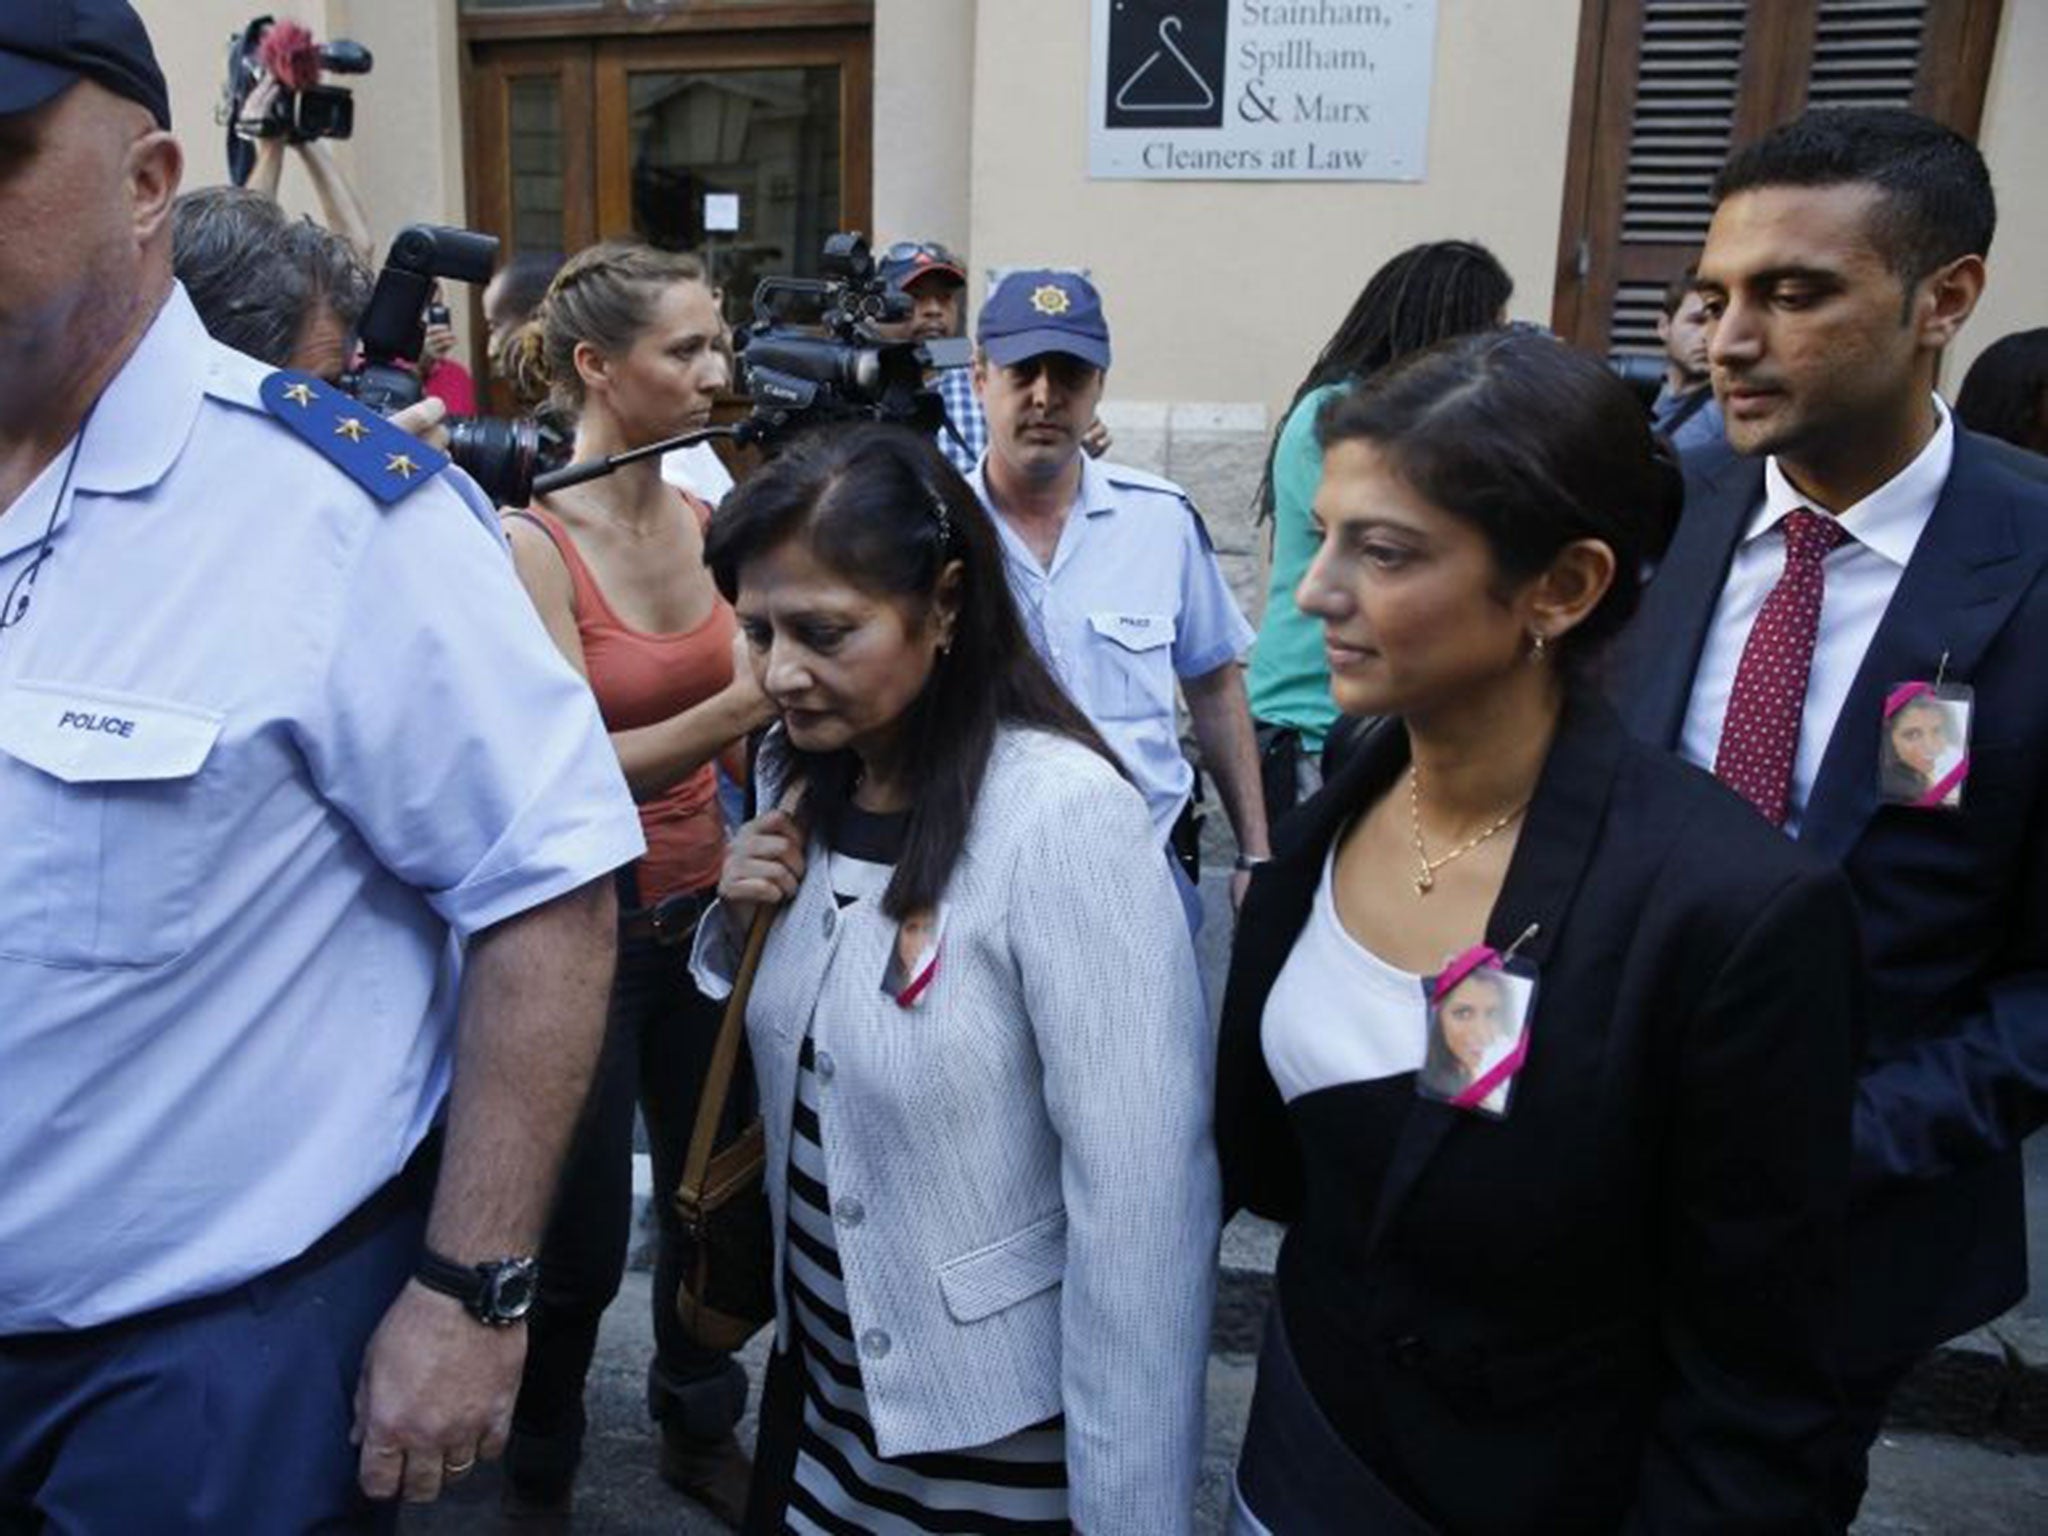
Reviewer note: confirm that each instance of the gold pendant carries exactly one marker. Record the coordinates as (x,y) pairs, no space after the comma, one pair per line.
(1424,882)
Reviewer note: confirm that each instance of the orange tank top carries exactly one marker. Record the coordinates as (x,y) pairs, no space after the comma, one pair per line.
(639,679)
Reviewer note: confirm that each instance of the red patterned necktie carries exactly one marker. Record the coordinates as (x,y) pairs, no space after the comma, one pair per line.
(1760,735)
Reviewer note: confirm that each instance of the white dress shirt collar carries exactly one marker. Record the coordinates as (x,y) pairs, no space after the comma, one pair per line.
(1890,520)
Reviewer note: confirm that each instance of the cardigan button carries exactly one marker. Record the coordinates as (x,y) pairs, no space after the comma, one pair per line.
(874,1344)
(830,924)
(824,1066)
(851,1212)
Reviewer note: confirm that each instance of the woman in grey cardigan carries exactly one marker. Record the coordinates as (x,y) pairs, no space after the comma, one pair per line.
(978,1033)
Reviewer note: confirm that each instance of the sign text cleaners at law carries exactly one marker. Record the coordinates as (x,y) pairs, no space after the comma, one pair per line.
(1260,90)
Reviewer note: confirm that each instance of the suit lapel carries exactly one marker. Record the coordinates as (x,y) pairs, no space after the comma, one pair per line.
(1544,876)
(1957,591)
(1661,650)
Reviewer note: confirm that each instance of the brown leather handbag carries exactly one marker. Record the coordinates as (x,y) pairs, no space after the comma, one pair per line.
(727,1294)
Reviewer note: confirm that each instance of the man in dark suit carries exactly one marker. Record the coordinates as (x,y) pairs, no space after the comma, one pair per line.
(1854,540)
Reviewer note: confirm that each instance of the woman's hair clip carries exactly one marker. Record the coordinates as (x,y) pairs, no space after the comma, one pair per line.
(943,517)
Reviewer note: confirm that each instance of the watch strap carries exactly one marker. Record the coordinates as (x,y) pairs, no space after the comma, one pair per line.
(497,1293)
(465,1282)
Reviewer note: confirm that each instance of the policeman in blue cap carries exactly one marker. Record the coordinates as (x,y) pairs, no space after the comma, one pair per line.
(1112,567)
(305,911)
(935,282)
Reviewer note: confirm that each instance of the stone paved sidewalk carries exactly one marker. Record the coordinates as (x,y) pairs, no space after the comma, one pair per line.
(1922,1484)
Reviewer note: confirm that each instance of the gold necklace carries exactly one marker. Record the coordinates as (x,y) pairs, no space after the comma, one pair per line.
(1425,866)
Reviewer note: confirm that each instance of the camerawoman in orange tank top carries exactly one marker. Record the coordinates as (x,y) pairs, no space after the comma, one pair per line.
(628,341)
(616,565)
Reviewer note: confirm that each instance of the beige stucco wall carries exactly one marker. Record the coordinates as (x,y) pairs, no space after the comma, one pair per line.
(191,38)
(1224,291)
(2014,138)
(1219,292)
(405,159)
(924,119)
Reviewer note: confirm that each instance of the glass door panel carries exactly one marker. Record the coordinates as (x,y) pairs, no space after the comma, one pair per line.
(535,158)
(764,143)
(774,128)
(530,160)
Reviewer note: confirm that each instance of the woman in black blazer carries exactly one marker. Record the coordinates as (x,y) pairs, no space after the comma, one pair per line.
(1590,1291)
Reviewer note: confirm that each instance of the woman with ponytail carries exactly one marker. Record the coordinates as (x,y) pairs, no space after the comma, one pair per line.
(1539,1040)
(625,344)
(1427,294)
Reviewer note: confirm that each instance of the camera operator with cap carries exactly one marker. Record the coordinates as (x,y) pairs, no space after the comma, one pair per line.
(931,277)
(1112,568)
(306,912)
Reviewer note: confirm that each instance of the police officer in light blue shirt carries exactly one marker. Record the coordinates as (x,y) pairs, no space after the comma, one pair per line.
(305,917)
(1111,567)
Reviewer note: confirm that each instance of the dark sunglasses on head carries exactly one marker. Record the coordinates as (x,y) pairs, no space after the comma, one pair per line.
(911,250)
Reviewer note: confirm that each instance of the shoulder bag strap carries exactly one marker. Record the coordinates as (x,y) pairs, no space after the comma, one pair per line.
(725,1056)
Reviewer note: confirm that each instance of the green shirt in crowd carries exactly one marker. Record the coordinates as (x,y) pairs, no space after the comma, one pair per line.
(1289,678)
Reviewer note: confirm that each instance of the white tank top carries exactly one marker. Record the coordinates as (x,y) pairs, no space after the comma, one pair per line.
(1338,1013)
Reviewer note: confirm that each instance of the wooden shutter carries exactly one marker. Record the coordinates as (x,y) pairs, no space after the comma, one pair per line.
(1688,83)
(1866,53)
(1667,88)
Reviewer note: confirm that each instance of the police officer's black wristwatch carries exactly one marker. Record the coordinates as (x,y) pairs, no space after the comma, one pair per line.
(499,1293)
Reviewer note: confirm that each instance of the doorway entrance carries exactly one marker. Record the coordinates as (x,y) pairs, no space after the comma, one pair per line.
(746,146)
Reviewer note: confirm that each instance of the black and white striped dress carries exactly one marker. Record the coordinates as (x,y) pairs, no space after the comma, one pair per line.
(1015,1487)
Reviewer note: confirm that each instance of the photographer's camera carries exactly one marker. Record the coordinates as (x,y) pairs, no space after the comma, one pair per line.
(502,455)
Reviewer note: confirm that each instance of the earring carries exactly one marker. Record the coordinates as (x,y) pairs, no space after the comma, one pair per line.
(1539,643)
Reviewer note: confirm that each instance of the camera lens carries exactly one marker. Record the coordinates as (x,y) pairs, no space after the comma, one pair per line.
(500,455)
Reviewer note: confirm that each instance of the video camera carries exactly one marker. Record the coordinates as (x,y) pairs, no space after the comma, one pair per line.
(501,455)
(304,109)
(811,356)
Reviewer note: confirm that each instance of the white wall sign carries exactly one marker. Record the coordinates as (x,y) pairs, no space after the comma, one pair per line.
(1260,90)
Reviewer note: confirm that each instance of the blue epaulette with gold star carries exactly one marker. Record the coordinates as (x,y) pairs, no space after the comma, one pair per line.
(383,460)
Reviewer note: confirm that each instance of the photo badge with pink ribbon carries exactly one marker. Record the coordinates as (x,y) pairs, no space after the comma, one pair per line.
(1923,749)
(1479,1011)
(913,963)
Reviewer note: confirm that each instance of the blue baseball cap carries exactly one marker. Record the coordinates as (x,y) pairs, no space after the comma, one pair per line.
(1033,313)
(48,46)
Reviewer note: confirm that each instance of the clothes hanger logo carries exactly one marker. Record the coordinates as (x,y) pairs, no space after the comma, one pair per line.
(1176,98)
(1166,63)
